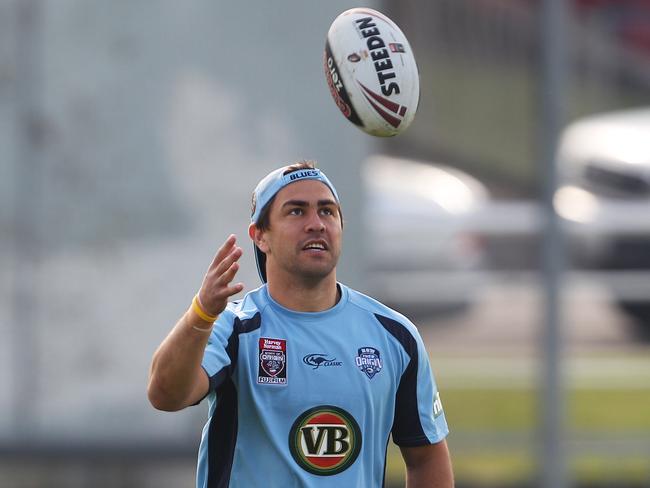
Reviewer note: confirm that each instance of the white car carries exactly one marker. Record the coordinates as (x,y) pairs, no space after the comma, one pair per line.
(604,163)
(425,257)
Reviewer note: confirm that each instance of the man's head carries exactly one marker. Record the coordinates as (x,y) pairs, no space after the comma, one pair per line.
(296,221)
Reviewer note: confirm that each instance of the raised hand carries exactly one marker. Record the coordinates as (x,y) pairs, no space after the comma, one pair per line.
(216,288)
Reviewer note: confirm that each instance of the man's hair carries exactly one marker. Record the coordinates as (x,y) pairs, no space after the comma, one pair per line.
(263,223)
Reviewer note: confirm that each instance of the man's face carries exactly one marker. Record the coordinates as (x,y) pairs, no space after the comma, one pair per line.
(304,235)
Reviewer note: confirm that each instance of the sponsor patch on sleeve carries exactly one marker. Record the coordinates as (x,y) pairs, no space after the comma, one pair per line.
(437,406)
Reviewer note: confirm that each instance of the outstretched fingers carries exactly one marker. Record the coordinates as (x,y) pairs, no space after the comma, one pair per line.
(224,250)
(216,287)
(223,267)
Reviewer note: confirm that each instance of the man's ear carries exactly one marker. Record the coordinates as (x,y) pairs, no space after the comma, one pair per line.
(258,237)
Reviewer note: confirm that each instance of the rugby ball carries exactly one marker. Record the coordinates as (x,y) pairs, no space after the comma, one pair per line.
(371,72)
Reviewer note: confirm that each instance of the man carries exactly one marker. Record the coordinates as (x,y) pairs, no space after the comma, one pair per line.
(305,377)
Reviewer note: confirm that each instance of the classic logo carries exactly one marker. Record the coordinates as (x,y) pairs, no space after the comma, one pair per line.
(369,361)
(325,440)
(318,360)
(273,361)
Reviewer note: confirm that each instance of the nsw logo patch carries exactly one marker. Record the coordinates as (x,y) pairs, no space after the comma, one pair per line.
(325,440)
(272,368)
(369,361)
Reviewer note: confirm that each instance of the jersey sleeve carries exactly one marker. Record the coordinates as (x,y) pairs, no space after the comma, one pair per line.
(218,354)
(419,416)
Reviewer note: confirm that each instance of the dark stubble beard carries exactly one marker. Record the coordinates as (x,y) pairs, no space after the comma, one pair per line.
(312,277)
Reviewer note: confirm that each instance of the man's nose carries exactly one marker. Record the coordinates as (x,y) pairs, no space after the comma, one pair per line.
(314,222)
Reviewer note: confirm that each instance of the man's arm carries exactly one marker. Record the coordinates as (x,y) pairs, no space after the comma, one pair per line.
(428,466)
(176,378)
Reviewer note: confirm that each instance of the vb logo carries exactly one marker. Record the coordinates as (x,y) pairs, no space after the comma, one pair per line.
(325,440)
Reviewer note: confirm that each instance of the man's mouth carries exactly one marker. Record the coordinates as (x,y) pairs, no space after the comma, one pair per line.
(315,246)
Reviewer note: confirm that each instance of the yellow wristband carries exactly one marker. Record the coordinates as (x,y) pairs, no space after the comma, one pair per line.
(200,312)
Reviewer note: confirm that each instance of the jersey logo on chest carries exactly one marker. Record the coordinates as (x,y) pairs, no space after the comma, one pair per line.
(320,360)
(369,361)
(272,369)
(325,440)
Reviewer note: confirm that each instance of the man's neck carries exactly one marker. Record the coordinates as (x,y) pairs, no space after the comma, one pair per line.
(305,297)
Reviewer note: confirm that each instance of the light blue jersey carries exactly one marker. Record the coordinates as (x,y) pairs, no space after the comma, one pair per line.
(310,399)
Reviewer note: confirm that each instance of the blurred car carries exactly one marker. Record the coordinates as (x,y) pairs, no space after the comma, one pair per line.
(604,163)
(424,256)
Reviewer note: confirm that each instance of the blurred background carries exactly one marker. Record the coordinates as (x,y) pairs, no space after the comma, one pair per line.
(131,136)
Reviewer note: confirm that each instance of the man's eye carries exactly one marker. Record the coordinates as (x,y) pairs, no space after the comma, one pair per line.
(295,211)
(327,211)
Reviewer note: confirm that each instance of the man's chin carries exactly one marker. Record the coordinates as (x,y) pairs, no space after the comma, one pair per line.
(315,274)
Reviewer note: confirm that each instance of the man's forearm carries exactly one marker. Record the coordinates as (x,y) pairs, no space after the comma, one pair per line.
(419,478)
(428,466)
(176,364)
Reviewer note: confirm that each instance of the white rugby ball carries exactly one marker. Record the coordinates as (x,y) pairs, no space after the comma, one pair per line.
(371,72)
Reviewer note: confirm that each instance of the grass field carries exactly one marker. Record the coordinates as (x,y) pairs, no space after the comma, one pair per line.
(493,407)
